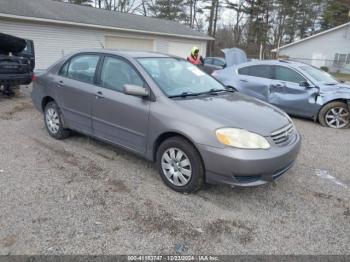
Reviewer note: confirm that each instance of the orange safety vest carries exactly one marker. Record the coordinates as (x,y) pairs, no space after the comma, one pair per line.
(194,61)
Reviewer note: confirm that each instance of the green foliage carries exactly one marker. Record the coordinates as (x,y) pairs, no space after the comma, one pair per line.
(324,68)
(170,10)
(336,13)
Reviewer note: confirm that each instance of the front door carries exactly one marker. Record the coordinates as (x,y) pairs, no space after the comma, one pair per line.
(288,92)
(75,91)
(255,80)
(119,118)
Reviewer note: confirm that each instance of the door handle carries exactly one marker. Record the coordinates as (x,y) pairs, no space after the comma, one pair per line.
(60,83)
(243,80)
(99,94)
(277,85)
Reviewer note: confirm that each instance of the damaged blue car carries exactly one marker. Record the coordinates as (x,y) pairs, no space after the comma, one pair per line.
(298,89)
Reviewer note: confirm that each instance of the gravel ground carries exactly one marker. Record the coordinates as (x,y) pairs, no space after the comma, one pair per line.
(80,196)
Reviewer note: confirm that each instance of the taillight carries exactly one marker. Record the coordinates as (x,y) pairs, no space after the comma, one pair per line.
(34,78)
(214,73)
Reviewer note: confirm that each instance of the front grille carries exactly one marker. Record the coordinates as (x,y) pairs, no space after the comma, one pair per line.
(283,135)
(247,179)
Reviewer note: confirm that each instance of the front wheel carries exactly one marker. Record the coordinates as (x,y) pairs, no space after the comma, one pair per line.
(180,165)
(335,115)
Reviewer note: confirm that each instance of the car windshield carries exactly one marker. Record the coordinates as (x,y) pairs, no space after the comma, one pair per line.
(321,76)
(177,77)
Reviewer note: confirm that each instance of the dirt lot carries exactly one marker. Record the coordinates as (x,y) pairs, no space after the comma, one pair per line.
(79,196)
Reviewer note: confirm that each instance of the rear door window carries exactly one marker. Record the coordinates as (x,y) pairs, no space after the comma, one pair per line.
(283,73)
(263,71)
(82,68)
(243,71)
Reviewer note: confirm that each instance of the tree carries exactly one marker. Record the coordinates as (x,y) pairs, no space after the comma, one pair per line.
(238,26)
(336,13)
(170,10)
(193,11)
(213,7)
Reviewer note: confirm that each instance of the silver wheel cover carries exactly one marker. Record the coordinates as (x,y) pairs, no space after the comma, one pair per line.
(176,166)
(52,120)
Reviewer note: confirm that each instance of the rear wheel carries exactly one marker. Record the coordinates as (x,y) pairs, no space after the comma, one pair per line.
(335,115)
(180,165)
(53,121)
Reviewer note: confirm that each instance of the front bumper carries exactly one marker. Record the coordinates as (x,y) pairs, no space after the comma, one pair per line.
(238,167)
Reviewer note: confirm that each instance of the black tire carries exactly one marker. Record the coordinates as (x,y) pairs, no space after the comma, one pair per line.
(61,132)
(197,175)
(327,108)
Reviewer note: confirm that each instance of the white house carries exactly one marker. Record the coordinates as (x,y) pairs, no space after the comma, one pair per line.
(60,28)
(330,48)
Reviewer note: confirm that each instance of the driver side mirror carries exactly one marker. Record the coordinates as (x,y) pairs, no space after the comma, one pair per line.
(304,84)
(134,90)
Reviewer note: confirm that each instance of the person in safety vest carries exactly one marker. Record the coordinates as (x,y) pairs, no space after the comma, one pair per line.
(195,58)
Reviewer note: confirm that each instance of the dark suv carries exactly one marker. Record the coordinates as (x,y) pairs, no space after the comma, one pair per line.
(17,61)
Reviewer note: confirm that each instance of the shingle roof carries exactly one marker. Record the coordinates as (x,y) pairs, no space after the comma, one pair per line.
(312,37)
(64,12)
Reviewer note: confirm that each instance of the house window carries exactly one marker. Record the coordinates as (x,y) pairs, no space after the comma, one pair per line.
(341,59)
(348,59)
(336,58)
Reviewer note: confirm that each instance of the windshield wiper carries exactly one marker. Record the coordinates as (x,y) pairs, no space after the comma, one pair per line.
(185,94)
(215,91)
(210,92)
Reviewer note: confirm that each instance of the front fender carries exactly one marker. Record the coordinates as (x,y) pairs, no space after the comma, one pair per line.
(164,118)
(324,99)
(327,98)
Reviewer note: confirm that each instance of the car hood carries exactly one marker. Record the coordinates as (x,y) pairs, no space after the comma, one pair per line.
(339,88)
(239,111)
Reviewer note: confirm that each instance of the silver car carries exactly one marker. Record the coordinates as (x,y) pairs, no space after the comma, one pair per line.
(170,112)
(299,89)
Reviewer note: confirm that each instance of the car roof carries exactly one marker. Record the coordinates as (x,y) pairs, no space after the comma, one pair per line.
(125,53)
(273,62)
(216,57)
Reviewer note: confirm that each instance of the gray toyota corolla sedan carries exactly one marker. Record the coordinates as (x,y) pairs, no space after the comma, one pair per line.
(168,111)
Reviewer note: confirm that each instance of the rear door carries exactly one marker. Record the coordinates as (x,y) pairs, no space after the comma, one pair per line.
(75,90)
(287,93)
(255,80)
(119,118)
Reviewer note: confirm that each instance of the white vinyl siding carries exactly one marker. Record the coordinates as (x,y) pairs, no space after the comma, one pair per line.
(183,48)
(53,41)
(322,50)
(127,43)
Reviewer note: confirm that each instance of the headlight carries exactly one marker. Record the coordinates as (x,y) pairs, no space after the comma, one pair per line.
(241,138)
